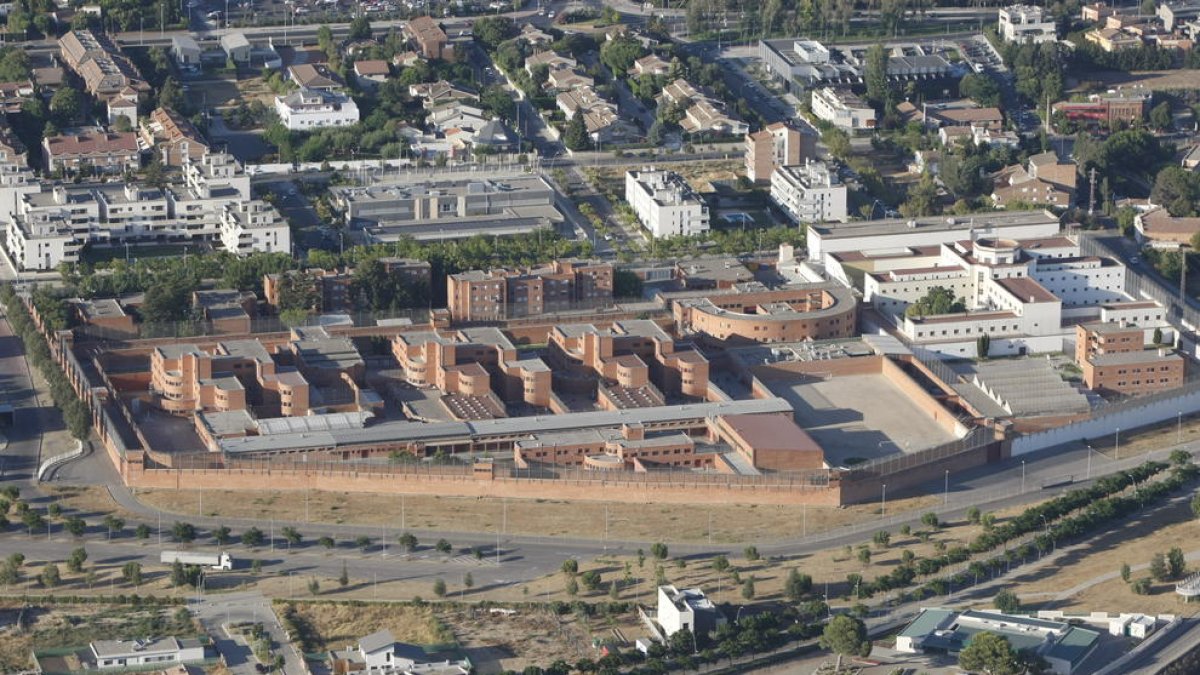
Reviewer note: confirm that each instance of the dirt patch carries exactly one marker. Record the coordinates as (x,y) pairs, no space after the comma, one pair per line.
(631,522)
(1155,80)
(335,625)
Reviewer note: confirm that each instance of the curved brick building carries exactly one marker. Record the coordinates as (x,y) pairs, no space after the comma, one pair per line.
(751,313)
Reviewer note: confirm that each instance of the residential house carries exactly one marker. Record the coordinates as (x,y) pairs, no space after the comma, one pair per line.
(236,48)
(702,113)
(437,94)
(651,64)
(550,59)
(370,74)
(686,609)
(316,76)
(380,654)
(315,108)
(1157,227)
(173,137)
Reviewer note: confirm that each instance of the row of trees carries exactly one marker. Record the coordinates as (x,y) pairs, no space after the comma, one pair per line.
(75,413)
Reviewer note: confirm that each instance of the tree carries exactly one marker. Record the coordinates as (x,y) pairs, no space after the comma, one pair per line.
(989,653)
(660,551)
(1176,565)
(922,198)
(939,300)
(184,533)
(1141,586)
(142,531)
(132,573)
(591,580)
(864,556)
(751,553)
(980,88)
(570,567)
(1158,567)
(1160,116)
(76,559)
(1196,506)
(1157,336)
(408,542)
(837,141)
(973,515)
(1125,572)
(439,588)
(468,581)
(326,542)
(875,74)
(114,525)
(575,136)
(344,577)
(882,539)
(983,348)
(620,54)
(253,537)
(75,526)
(360,29)
(178,574)
(720,564)
(66,105)
(292,536)
(845,636)
(748,588)
(443,546)
(490,31)
(314,586)
(362,542)
(1006,601)
(222,535)
(571,587)
(50,576)
(797,585)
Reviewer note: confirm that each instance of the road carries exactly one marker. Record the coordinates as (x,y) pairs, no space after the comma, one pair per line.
(218,613)
(1167,650)
(19,457)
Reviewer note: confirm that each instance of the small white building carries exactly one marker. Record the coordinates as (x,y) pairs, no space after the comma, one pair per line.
(120,654)
(687,609)
(186,50)
(809,192)
(236,47)
(665,204)
(842,109)
(1026,23)
(306,109)
(380,654)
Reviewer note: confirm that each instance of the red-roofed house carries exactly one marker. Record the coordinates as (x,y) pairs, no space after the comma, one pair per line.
(103,152)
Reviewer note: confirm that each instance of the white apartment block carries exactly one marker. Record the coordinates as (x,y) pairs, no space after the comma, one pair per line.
(809,192)
(896,234)
(47,226)
(314,109)
(665,204)
(842,109)
(1026,23)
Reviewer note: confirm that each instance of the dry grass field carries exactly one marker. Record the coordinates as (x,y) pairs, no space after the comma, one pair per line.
(631,522)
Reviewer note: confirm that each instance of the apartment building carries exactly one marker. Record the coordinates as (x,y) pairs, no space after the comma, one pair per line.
(49,225)
(428,38)
(842,109)
(476,362)
(324,359)
(809,192)
(306,109)
(499,294)
(776,145)
(1115,360)
(1026,23)
(95,151)
(665,204)
(173,137)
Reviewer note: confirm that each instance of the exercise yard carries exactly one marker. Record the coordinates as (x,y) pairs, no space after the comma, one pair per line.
(856,418)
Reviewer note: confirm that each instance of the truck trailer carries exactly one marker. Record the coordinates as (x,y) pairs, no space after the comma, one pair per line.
(216,561)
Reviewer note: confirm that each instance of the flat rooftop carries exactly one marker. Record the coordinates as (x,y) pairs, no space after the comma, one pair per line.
(985,221)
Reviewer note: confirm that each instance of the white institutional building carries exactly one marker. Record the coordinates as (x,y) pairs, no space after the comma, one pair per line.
(809,193)
(45,226)
(1026,23)
(665,204)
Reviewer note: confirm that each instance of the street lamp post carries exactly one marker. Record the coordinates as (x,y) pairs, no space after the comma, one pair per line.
(883,502)
(1179,428)
(946,490)
(1117,444)
(1022,476)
